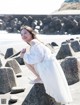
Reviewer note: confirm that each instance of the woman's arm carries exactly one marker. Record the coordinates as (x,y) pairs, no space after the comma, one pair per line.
(36,55)
(31,67)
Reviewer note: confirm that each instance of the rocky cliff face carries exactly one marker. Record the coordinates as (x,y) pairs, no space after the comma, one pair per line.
(70,5)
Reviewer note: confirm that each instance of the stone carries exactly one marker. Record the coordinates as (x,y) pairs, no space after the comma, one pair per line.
(38,96)
(9,29)
(64,51)
(19,75)
(14,64)
(78,65)
(69,66)
(7,79)
(13,100)
(50,47)
(54,44)
(75,46)
(20,60)
(9,52)
(0,63)
(16,54)
(16,90)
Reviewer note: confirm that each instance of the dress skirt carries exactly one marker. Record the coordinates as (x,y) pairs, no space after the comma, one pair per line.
(54,80)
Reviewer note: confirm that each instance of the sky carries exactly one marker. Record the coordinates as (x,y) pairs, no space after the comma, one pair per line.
(29,6)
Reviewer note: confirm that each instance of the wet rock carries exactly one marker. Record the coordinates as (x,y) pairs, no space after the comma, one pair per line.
(69,66)
(64,51)
(7,79)
(9,52)
(14,64)
(75,46)
(37,96)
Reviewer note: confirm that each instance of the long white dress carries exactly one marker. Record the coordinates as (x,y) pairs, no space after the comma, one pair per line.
(49,71)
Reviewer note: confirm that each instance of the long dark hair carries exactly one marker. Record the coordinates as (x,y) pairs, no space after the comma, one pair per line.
(30,30)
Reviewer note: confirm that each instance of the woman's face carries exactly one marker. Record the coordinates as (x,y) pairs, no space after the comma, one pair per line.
(26,36)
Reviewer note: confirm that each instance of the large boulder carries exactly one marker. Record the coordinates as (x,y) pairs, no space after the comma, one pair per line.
(64,51)
(14,64)
(75,46)
(9,52)
(70,68)
(38,96)
(7,79)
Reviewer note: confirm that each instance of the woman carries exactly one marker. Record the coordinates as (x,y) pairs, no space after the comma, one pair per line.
(44,65)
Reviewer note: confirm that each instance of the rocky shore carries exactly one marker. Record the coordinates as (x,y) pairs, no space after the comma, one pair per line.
(53,24)
(15,77)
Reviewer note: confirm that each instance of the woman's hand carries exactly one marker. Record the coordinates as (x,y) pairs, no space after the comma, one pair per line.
(22,52)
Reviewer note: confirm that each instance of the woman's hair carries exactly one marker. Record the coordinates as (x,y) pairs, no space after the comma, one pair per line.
(30,30)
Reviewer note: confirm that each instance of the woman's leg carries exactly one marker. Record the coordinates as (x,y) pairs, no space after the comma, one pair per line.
(31,68)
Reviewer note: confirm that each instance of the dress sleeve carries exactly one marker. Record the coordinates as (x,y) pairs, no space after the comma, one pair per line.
(36,55)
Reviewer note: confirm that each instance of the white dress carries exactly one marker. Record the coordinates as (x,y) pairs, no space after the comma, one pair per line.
(49,71)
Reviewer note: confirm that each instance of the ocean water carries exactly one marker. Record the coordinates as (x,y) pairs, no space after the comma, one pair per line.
(8,40)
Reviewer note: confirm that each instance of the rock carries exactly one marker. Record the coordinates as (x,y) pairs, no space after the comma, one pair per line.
(50,47)
(78,64)
(67,41)
(9,29)
(16,90)
(64,42)
(37,96)
(18,75)
(7,79)
(75,46)
(69,66)
(13,100)
(54,44)
(2,24)
(68,5)
(9,52)
(64,51)
(20,60)
(72,1)
(0,63)
(14,64)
